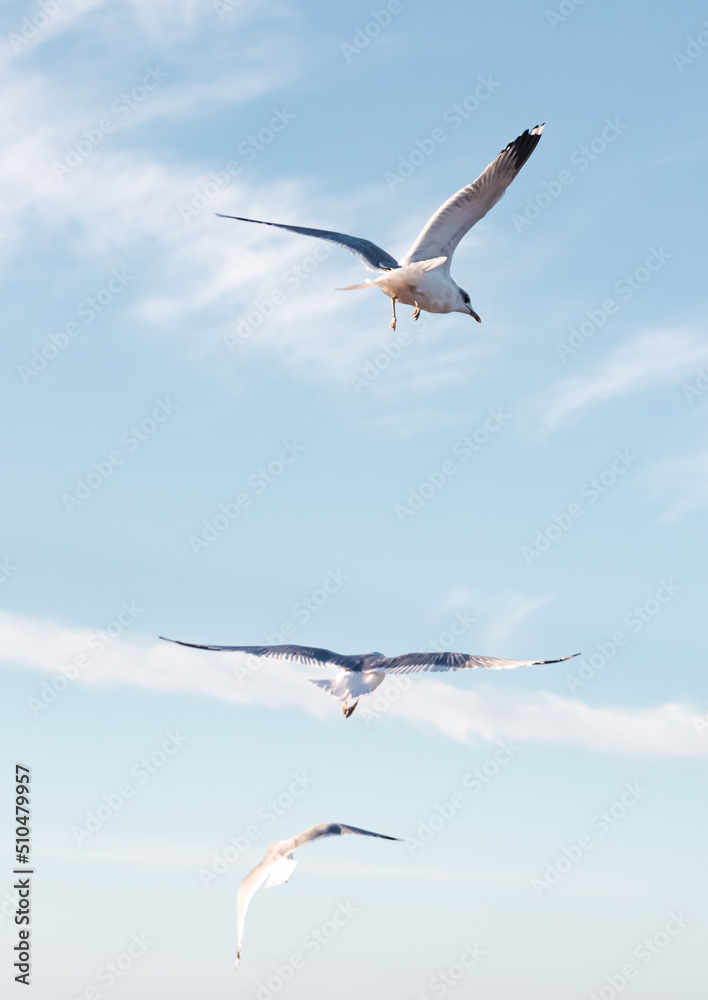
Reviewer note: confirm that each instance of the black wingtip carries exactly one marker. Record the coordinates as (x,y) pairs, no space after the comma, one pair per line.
(523,146)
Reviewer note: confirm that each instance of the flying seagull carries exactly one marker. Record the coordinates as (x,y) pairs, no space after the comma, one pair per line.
(361,674)
(278,865)
(422,277)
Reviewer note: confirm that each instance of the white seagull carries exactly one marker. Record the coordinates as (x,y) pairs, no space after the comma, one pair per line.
(278,865)
(361,674)
(422,278)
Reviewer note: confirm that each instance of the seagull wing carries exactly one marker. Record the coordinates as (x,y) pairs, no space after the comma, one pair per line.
(246,891)
(413,662)
(298,654)
(445,229)
(329,830)
(373,257)
(278,865)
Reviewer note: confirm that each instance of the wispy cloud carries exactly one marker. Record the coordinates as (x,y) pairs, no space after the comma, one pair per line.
(464,716)
(651,358)
(687,479)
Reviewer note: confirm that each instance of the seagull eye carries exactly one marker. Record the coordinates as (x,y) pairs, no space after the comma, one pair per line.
(465,298)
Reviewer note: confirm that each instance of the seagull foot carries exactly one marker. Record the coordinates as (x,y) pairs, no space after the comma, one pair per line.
(392,324)
(416,312)
(348,711)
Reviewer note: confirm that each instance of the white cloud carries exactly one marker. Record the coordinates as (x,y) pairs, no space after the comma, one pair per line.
(468,716)
(649,359)
(667,730)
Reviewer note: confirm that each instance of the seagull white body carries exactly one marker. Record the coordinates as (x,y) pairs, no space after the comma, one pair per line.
(278,865)
(360,674)
(422,277)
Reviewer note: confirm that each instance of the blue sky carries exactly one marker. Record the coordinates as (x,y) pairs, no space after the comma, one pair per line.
(160,363)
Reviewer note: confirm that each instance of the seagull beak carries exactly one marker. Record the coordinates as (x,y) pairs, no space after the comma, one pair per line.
(473,314)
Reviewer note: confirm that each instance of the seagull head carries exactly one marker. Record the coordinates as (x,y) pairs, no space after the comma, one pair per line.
(466,307)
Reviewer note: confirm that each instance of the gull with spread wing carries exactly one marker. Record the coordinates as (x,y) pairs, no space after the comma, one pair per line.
(361,674)
(422,277)
(278,865)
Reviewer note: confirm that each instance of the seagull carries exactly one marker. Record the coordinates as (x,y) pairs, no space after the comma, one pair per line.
(422,277)
(278,865)
(361,674)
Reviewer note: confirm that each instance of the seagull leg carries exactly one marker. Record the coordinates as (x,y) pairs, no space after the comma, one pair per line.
(348,711)
(393,321)
(416,311)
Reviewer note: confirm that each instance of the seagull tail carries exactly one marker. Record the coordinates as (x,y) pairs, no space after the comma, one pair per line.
(351,288)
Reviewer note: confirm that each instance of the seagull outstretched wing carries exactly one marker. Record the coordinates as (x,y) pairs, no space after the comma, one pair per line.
(311,655)
(278,865)
(448,225)
(373,257)
(413,662)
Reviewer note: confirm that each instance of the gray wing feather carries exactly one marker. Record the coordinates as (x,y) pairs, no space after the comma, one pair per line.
(373,257)
(413,662)
(311,655)
(328,830)
(444,230)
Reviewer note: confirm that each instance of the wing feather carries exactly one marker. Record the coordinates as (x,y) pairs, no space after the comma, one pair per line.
(414,662)
(444,230)
(372,256)
(311,655)
(246,891)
